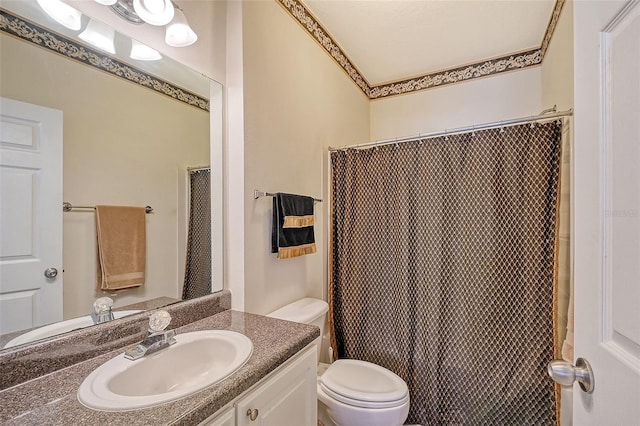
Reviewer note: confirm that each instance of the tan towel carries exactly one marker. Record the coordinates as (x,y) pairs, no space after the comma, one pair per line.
(121,246)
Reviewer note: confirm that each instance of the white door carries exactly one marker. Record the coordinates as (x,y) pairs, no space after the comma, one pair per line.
(606,211)
(30,215)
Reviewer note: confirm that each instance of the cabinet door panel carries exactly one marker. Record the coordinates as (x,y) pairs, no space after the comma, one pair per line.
(286,399)
(221,418)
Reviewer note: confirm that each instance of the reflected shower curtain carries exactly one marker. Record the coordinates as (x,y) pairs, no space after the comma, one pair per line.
(197,275)
(443,271)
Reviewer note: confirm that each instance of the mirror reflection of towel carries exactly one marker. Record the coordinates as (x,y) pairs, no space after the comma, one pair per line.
(292,226)
(122,246)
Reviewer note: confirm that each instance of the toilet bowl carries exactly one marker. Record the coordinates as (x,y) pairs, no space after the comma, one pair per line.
(359,393)
(351,392)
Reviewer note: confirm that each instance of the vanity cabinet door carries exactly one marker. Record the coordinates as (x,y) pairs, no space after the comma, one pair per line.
(288,398)
(225,418)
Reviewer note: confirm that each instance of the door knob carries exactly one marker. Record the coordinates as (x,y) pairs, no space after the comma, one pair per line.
(51,272)
(565,374)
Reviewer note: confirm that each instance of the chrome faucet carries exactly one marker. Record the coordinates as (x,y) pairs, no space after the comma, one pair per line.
(102,310)
(157,338)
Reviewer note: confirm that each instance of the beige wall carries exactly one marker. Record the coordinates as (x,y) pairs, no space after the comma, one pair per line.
(557,67)
(123,145)
(297,102)
(510,95)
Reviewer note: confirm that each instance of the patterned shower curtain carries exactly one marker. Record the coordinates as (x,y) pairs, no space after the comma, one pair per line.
(197,276)
(443,270)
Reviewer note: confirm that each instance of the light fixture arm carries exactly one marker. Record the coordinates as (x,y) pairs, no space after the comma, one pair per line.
(125,10)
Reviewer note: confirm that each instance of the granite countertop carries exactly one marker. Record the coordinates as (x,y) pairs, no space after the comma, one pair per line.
(51,399)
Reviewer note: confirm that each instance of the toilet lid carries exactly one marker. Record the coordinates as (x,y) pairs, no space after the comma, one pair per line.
(362,383)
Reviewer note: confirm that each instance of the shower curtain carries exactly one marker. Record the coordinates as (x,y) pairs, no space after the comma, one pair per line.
(443,270)
(197,275)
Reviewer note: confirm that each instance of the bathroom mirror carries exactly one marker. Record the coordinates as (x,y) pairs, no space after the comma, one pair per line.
(123,144)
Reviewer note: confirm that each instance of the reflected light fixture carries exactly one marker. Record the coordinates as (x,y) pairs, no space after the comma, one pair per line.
(142,52)
(106,2)
(62,13)
(99,35)
(178,32)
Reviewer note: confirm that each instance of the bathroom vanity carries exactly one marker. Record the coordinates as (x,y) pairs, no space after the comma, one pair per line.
(287,396)
(277,385)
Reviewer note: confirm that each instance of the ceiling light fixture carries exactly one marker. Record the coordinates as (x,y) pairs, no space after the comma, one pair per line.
(178,32)
(62,13)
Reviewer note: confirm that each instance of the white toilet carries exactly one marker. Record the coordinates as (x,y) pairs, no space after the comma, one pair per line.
(351,392)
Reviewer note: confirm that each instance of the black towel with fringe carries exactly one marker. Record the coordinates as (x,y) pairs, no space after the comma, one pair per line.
(292,226)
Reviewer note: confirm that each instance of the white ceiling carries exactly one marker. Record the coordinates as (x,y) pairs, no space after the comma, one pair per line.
(390,40)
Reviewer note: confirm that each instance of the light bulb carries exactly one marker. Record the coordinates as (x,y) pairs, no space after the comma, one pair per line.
(179,33)
(154,12)
(142,52)
(62,13)
(99,35)
(154,6)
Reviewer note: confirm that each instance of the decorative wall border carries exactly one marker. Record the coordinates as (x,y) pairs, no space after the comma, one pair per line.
(457,75)
(317,31)
(515,61)
(551,27)
(30,32)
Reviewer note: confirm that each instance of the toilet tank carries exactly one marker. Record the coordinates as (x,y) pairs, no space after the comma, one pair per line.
(307,311)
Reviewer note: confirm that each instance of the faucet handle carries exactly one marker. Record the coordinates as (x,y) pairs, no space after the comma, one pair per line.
(158,321)
(102,304)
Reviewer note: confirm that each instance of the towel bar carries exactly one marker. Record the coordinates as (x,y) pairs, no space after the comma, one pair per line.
(67,207)
(257,194)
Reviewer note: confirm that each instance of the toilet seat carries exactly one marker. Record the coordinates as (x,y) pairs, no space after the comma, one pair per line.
(363,384)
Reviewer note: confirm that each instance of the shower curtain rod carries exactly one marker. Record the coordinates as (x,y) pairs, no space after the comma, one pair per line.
(502,123)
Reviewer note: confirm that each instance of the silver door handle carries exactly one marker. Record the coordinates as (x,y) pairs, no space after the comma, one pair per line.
(51,272)
(565,374)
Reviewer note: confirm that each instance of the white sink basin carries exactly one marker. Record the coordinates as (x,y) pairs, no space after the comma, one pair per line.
(198,359)
(61,327)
